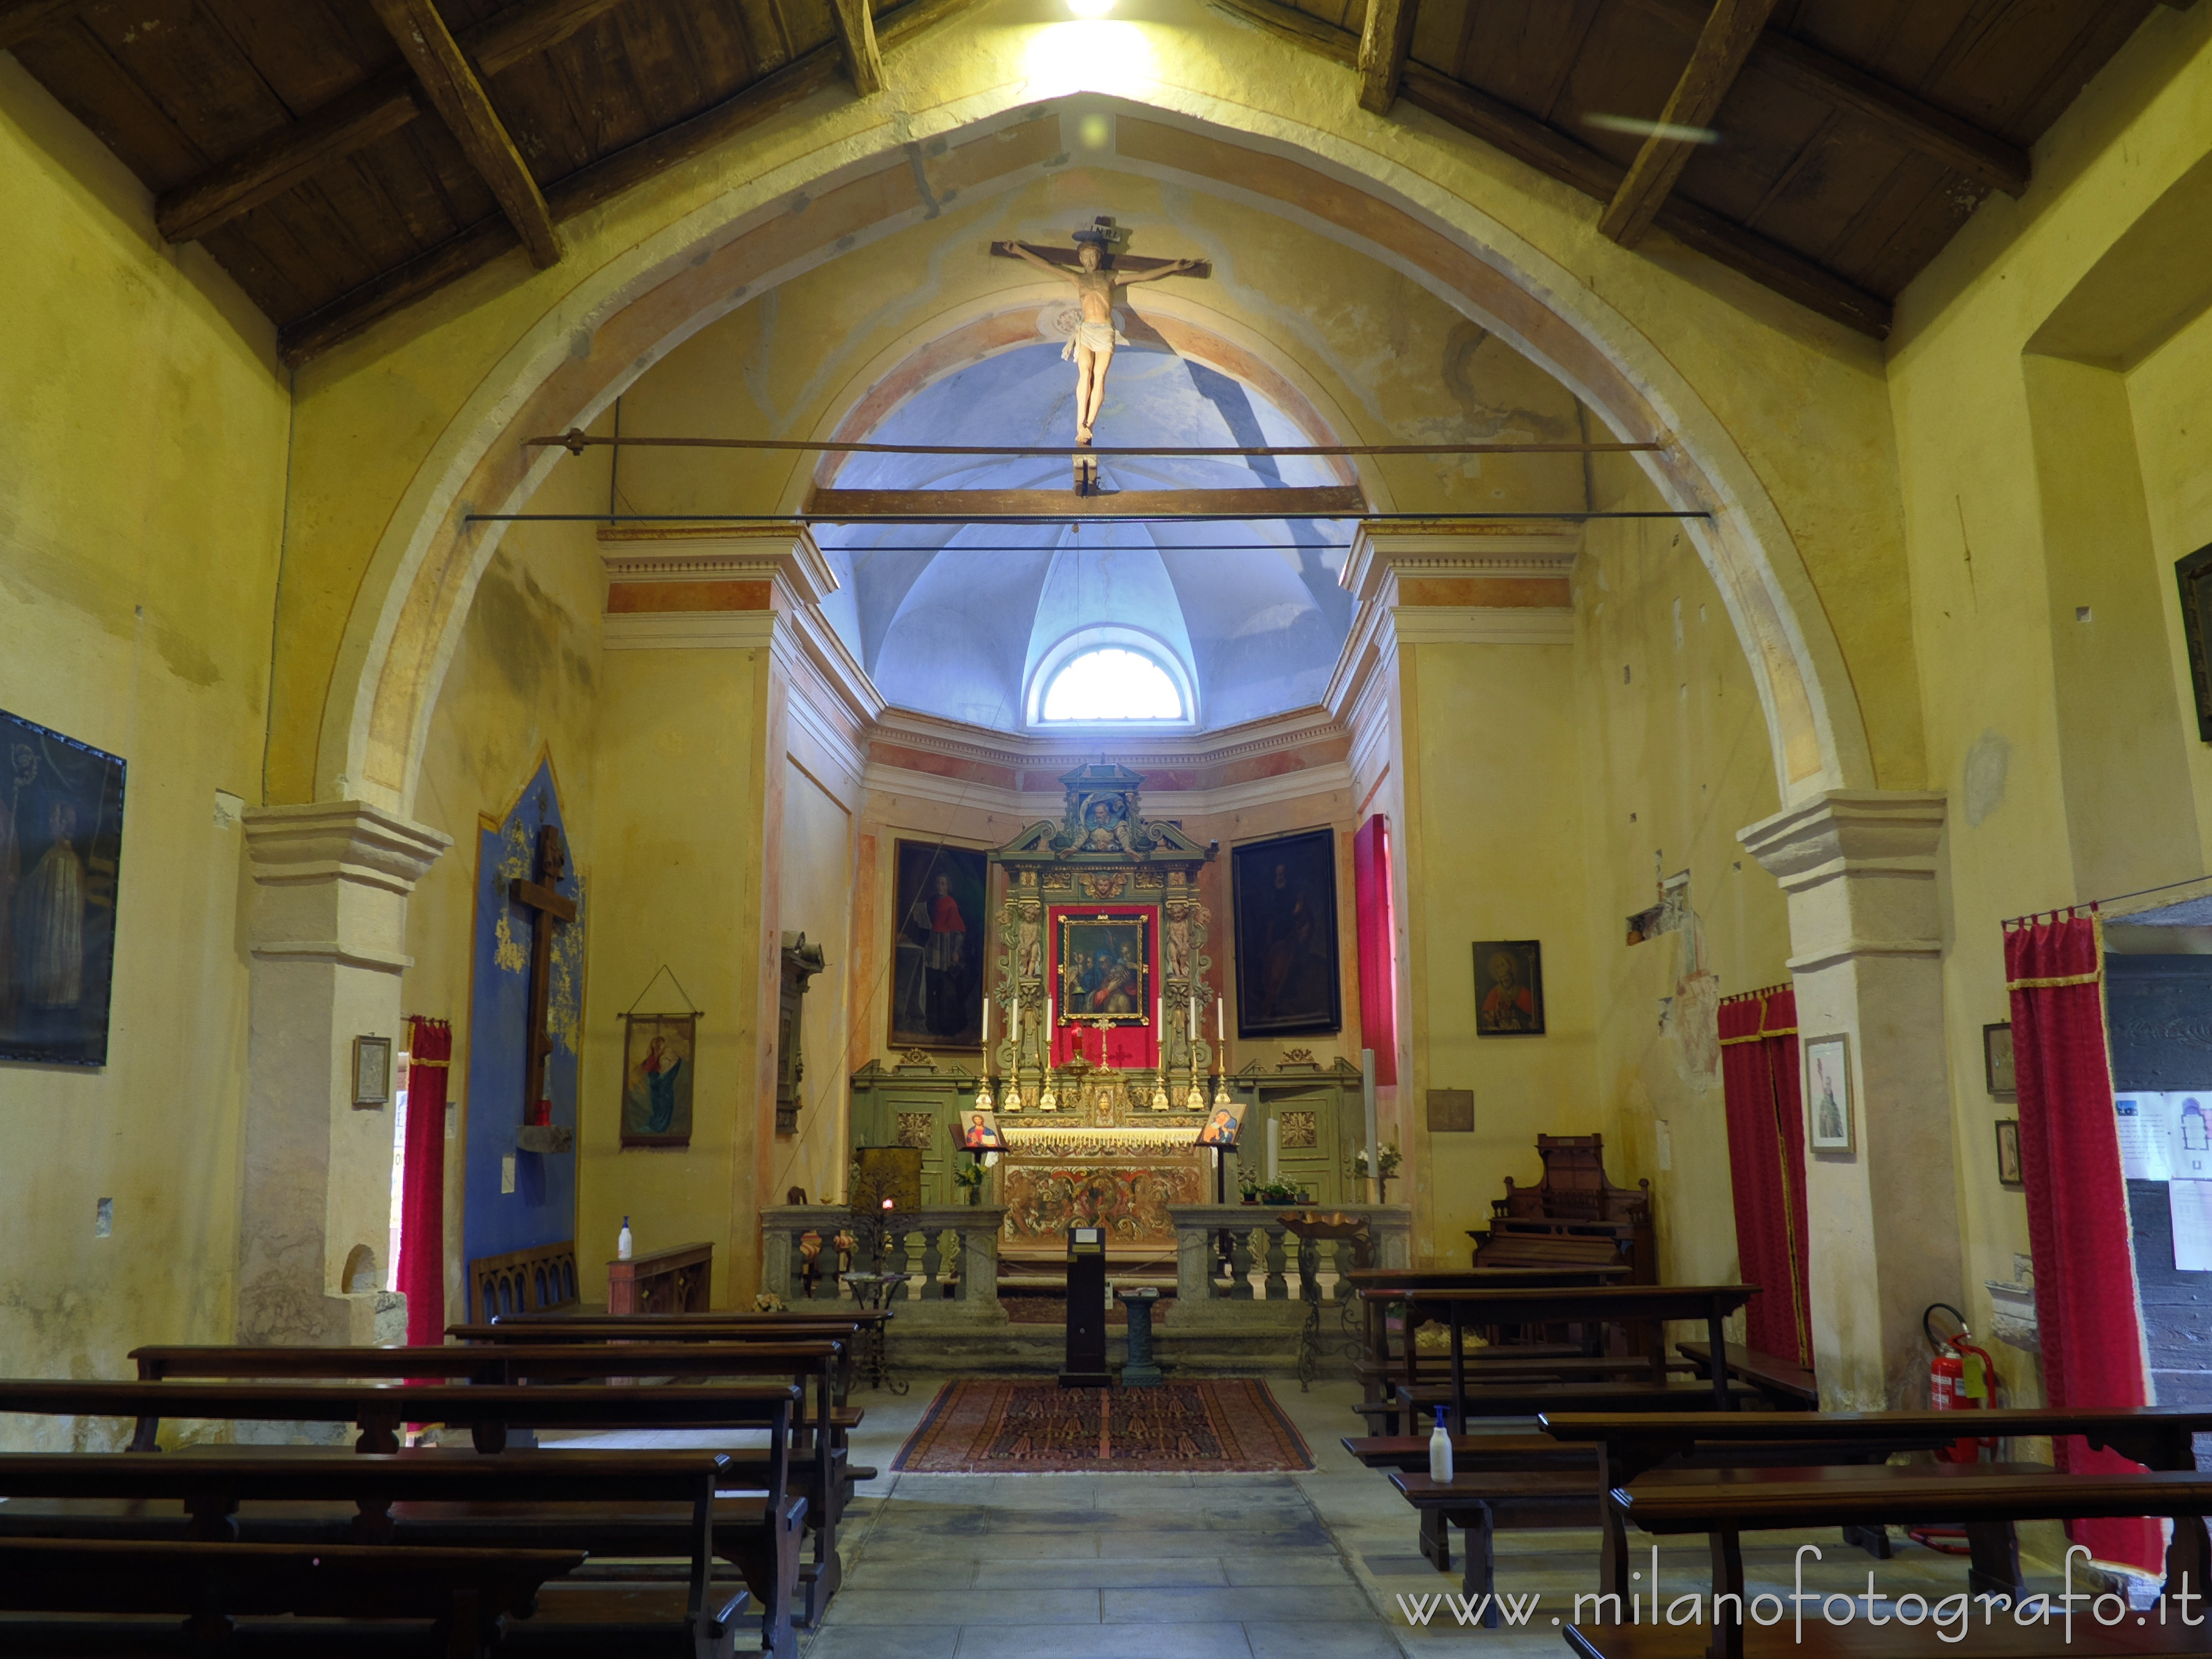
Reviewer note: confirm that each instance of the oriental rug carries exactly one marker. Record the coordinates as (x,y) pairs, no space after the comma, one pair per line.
(1226,1425)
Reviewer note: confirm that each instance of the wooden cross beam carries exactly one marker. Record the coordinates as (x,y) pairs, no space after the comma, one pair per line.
(1384,43)
(1723,47)
(24,19)
(454,91)
(543,895)
(856,34)
(1131,263)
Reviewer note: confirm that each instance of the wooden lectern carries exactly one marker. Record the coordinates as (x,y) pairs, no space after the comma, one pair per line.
(1087,1310)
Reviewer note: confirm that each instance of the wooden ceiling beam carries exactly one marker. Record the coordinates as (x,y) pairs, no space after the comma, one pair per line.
(856,35)
(1384,43)
(1723,47)
(356,120)
(454,91)
(25,20)
(1913,121)
(482,243)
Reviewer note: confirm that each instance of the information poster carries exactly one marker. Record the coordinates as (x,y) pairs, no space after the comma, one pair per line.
(2144,1138)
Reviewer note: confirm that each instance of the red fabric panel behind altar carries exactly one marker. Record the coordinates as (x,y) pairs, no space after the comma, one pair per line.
(423,1183)
(1767,1168)
(1124,1047)
(1378,990)
(2077,1203)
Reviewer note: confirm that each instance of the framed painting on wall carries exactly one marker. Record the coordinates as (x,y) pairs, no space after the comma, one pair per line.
(1103,968)
(657,1075)
(938,946)
(2008,1171)
(2194,576)
(1828,1114)
(1997,1060)
(61,851)
(1284,893)
(1509,987)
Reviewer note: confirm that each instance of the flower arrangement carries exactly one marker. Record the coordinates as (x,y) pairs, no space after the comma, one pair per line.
(767,1302)
(969,1178)
(1388,1158)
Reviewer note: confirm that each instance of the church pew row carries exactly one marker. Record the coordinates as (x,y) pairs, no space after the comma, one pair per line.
(819,1476)
(761,1536)
(1786,1384)
(857,1324)
(484,1548)
(1726,1504)
(460,1598)
(1640,1453)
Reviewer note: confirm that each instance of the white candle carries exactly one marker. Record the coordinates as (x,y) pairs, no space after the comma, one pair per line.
(1160,1017)
(1367,1089)
(987,1021)
(1274,1147)
(1220,1018)
(1193,1016)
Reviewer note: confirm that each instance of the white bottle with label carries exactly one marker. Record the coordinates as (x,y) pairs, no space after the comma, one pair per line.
(1440,1451)
(622,1246)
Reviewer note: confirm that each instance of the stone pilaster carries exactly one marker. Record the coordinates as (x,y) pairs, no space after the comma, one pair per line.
(329,917)
(1858,868)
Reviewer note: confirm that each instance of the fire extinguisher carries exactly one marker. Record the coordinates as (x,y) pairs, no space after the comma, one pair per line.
(1961,1377)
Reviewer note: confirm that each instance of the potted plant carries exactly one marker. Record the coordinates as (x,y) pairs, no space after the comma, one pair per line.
(968,1179)
(1247,1189)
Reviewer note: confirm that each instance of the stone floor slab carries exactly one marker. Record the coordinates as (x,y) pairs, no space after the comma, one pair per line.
(1280,1603)
(1220,1641)
(1050,1606)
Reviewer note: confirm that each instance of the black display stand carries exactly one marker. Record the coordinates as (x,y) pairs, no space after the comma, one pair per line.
(1087,1310)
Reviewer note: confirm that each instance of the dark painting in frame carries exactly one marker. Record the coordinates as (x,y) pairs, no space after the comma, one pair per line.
(2193,575)
(939,937)
(1509,987)
(1288,974)
(61,852)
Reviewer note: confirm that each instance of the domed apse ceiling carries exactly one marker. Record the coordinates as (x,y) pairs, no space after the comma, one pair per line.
(959,620)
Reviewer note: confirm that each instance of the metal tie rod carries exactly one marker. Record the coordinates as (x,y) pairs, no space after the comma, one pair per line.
(576,442)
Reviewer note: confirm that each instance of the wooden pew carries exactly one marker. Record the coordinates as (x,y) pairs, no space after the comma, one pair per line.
(821,1479)
(464,1595)
(1788,1384)
(1725,1503)
(762,1537)
(1635,1450)
(856,1324)
(434,1527)
(1590,1306)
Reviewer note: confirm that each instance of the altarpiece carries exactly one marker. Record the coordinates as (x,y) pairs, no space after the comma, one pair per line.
(1102,1012)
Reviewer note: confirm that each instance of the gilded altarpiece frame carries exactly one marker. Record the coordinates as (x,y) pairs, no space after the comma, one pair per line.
(1110,1146)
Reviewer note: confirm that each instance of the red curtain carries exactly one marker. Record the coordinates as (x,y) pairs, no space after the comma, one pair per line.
(1767,1168)
(1378,998)
(2078,1202)
(423,1183)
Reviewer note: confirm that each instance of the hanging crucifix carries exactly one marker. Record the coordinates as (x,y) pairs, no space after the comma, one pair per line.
(543,896)
(1099,274)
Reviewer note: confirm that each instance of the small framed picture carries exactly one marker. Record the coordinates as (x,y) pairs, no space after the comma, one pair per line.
(1997,1060)
(1509,987)
(1828,1115)
(372,1070)
(2008,1152)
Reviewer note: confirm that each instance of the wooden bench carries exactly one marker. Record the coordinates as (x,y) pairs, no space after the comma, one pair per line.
(762,1537)
(820,1478)
(435,1525)
(854,1326)
(1591,1306)
(1635,1450)
(1789,1385)
(465,1596)
(1726,1504)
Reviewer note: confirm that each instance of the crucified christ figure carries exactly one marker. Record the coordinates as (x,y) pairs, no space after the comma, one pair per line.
(1090,347)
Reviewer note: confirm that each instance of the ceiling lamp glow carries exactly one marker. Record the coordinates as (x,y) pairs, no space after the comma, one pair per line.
(1090,10)
(1113,684)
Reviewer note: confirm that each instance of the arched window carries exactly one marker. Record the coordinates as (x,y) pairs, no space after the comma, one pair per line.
(1112,682)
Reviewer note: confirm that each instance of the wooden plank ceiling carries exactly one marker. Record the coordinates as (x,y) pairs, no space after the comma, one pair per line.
(1843,141)
(343,158)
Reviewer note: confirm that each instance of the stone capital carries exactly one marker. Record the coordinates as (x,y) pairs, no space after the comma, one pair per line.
(1858,867)
(331,881)
(784,556)
(1384,555)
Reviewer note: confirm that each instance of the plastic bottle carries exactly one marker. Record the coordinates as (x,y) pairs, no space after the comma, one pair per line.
(1440,1451)
(623,1245)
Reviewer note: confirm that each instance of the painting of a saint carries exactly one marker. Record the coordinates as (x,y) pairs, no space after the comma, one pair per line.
(61,839)
(936,991)
(1509,987)
(1287,972)
(1105,970)
(656,1103)
(1828,1094)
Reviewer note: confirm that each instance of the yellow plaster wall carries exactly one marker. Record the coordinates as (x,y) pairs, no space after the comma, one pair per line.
(141,484)
(2036,487)
(526,684)
(676,879)
(1493,851)
(1675,763)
